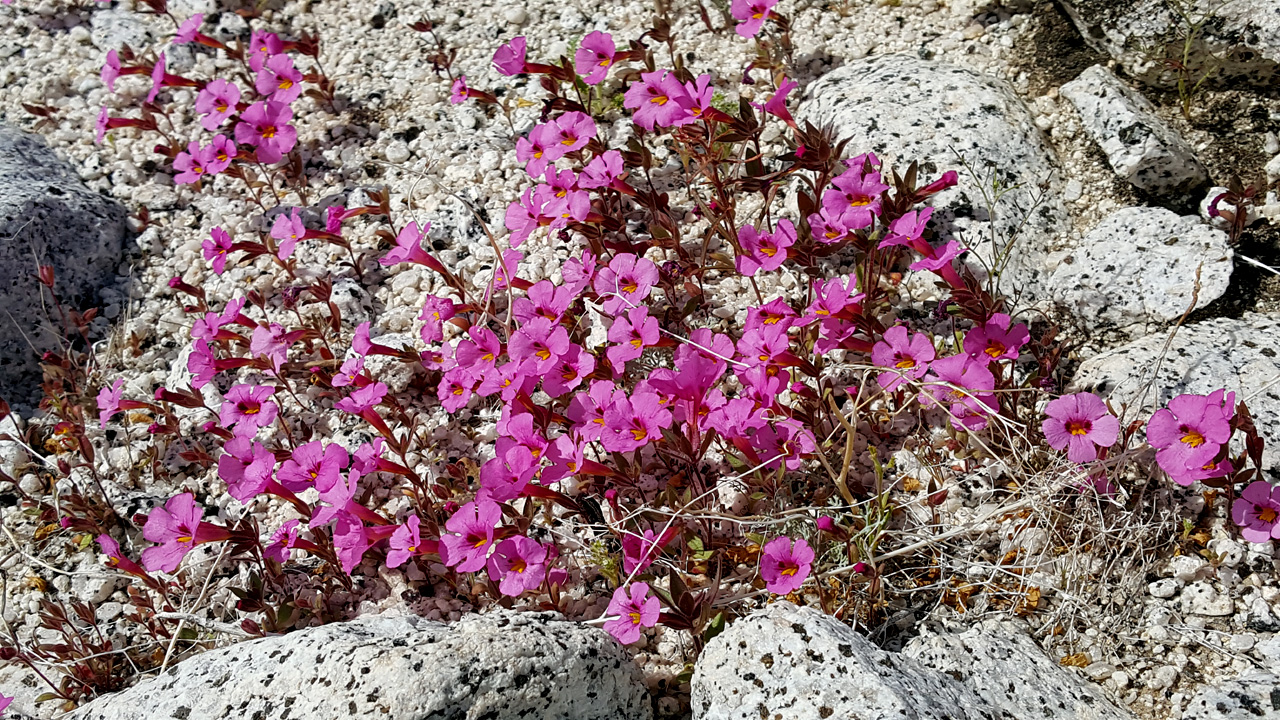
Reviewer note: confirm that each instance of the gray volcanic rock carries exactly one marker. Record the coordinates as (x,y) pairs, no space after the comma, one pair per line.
(1140,146)
(498,666)
(904,109)
(47,217)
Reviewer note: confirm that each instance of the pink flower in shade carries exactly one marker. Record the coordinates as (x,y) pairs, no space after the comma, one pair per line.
(262,46)
(246,467)
(594,57)
(436,311)
(192,164)
(538,346)
(175,526)
(216,102)
(284,539)
(776,105)
(111,70)
(313,465)
(566,456)
(574,130)
(157,78)
(351,539)
(631,423)
(995,340)
(658,100)
(288,230)
(504,477)
(1190,432)
(510,58)
(774,312)
(540,149)
(272,342)
(188,29)
(265,125)
(632,612)
(751,15)
(831,297)
(633,332)
(405,542)
(455,388)
(458,91)
(115,559)
(855,198)
(518,565)
(625,282)
(349,373)
(279,79)
(1257,512)
(1080,423)
(785,442)
(784,566)
(909,356)
(764,251)
(471,535)
(248,407)
(522,218)
(568,374)
(587,409)
(210,326)
(109,401)
(965,387)
(639,552)
(603,171)
(215,249)
(202,364)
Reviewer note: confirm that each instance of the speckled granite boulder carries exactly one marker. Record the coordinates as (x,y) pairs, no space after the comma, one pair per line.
(1008,670)
(1138,268)
(792,663)
(46,214)
(1251,697)
(904,108)
(498,666)
(1140,146)
(1243,37)
(1239,355)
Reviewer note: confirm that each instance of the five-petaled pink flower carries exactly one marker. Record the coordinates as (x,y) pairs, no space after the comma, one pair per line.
(518,565)
(784,566)
(510,58)
(405,542)
(1257,512)
(751,15)
(175,526)
(470,535)
(764,251)
(248,407)
(658,100)
(288,229)
(279,79)
(313,465)
(215,249)
(216,102)
(625,282)
(907,354)
(1080,423)
(632,613)
(265,125)
(995,339)
(632,332)
(1190,432)
(594,57)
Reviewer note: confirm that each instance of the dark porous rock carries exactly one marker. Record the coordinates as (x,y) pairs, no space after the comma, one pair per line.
(497,666)
(47,217)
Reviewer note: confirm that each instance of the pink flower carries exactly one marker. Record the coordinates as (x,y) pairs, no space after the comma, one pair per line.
(764,251)
(191,163)
(776,105)
(631,423)
(639,552)
(111,70)
(1257,512)
(574,130)
(965,386)
(458,91)
(938,260)
(284,539)
(518,564)
(633,332)
(540,149)
(631,613)
(265,125)
(603,171)
(109,401)
(785,566)
(175,526)
(909,356)
(249,406)
(157,78)
(408,246)
(751,14)
(279,79)
(115,559)
(223,150)
(473,526)
(538,346)
(435,312)
(1190,432)
(1079,422)
(855,198)
(188,30)
(246,467)
(510,58)
(784,442)
(909,230)
(216,102)
(215,249)
(594,57)
(831,297)
(313,465)
(827,227)
(568,374)
(288,229)
(262,46)
(405,542)
(995,340)
(362,399)
(657,100)
(625,282)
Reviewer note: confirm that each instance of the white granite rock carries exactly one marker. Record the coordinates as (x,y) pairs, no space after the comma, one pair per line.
(792,663)
(1251,697)
(904,109)
(1140,146)
(1138,268)
(1241,39)
(499,666)
(1009,671)
(1238,355)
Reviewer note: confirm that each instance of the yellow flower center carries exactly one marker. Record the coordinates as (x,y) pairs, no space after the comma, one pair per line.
(994,348)
(1193,438)
(638,434)
(269,131)
(660,100)
(1267,515)
(1079,427)
(630,286)
(859,201)
(285,83)
(519,566)
(635,618)
(905,363)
